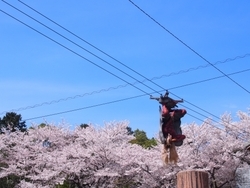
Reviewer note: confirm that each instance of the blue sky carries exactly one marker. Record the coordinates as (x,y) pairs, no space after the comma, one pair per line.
(40,77)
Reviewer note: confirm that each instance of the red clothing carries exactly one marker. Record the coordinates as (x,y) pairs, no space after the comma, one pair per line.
(177,113)
(169,116)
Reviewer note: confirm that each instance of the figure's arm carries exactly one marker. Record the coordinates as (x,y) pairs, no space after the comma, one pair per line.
(179,113)
(177,101)
(156,98)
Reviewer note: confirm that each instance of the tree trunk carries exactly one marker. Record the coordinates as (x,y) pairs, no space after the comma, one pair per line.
(192,179)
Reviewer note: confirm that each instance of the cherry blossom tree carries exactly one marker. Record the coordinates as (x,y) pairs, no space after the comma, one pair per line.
(217,149)
(103,156)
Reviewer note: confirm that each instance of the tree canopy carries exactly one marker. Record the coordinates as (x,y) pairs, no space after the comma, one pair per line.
(105,157)
(142,139)
(12,122)
(84,125)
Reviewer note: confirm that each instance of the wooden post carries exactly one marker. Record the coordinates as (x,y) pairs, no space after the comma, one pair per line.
(192,179)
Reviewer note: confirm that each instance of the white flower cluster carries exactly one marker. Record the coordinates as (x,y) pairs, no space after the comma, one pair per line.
(104,157)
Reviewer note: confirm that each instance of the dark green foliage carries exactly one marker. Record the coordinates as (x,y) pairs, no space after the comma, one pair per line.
(66,184)
(130,132)
(84,125)
(142,139)
(126,182)
(12,122)
(42,125)
(9,182)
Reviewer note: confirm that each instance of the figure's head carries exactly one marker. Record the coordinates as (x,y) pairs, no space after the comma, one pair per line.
(170,104)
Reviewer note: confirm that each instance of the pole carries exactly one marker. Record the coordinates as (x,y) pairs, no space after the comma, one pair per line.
(192,179)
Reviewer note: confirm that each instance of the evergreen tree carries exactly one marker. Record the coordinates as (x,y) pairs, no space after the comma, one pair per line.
(12,122)
(84,125)
(42,125)
(130,132)
(142,139)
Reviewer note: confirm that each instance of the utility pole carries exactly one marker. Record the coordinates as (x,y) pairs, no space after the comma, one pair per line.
(192,179)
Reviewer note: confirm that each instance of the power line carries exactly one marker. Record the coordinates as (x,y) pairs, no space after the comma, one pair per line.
(80,46)
(92,106)
(91,61)
(200,109)
(109,55)
(243,139)
(111,102)
(229,59)
(73,51)
(88,43)
(113,88)
(78,55)
(70,49)
(188,46)
(202,66)
(67,98)
(209,79)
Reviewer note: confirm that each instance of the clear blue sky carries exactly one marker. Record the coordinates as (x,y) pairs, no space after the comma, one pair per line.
(35,70)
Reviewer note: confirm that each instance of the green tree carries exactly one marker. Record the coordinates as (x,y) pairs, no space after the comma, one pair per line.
(66,184)
(12,122)
(10,181)
(142,139)
(130,132)
(84,125)
(42,125)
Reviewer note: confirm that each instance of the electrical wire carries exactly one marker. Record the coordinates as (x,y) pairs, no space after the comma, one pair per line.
(112,88)
(188,46)
(240,137)
(209,79)
(116,101)
(125,99)
(229,59)
(74,53)
(75,44)
(173,73)
(111,102)
(202,66)
(79,46)
(87,42)
(106,53)
(91,61)
(87,107)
